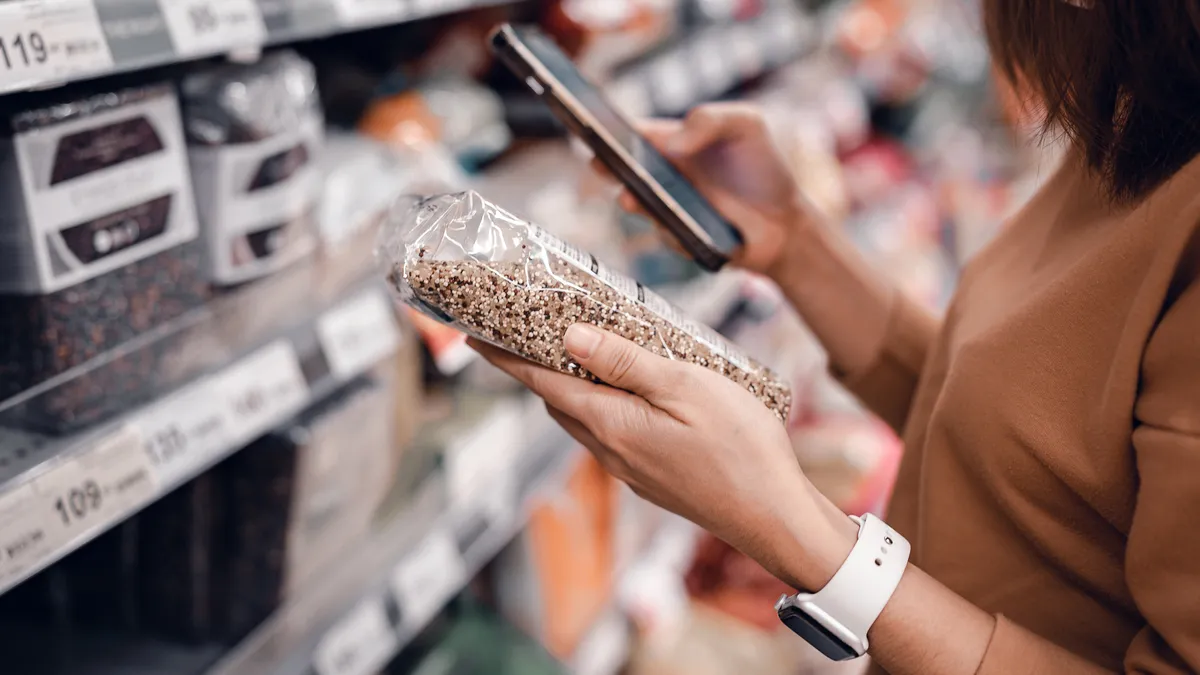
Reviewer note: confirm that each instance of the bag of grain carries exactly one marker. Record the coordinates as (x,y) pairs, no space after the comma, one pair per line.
(477,267)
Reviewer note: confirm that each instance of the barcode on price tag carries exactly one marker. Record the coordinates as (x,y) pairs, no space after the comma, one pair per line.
(46,41)
(39,521)
(358,12)
(360,644)
(262,390)
(212,26)
(186,432)
(358,334)
(427,577)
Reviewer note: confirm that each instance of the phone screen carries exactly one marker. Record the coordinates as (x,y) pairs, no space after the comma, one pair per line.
(724,238)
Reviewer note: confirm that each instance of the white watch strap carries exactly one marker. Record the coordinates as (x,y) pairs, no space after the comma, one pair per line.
(860,589)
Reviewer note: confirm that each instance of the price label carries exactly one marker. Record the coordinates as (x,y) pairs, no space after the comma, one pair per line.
(212,26)
(46,41)
(714,65)
(360,644)
(186,432)
(262,390)
(746,50)
(359,12)
(430,7)
(672,82)
(485,458)
(605,649)
(428,577)
(42,519)
(358,334)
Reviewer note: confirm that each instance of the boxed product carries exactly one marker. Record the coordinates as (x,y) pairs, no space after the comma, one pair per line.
(299,498)
(471,264)
(180,594)
(556,578)
(97,230)
(254,133)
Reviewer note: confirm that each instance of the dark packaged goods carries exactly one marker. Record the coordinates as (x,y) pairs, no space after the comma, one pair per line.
(255,133)
(300,498)
(179,594)
(98,237)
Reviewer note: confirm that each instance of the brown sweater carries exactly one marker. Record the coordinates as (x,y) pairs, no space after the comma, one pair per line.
(1052,432)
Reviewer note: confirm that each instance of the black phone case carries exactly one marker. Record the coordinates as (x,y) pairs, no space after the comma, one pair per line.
(707,257)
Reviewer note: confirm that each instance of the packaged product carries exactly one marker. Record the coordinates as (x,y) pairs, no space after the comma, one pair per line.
(556,578)
(469,263)
(300,497)
(179,592)
(254,134)
(98,231)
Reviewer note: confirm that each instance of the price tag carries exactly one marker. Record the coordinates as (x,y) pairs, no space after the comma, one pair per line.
(484,460)
(714,65)
(46,41)
(431,7)
(261,390)
(41,519)
(212,26)
(358,12)
(605,649)
(748,55)
(186,432)
(427,578)
(358,334)
(672,82)
(360,644)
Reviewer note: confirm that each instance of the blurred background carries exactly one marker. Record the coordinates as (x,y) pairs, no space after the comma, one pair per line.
(225,450)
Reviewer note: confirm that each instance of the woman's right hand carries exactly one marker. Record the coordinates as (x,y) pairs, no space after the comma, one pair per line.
(726,151)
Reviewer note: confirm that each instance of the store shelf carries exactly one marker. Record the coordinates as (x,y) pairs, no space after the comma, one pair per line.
(397,583)
(365,612)
(707,64)
(56,494)
(65,40)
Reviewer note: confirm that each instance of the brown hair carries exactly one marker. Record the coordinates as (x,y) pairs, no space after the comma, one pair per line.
(1120,77)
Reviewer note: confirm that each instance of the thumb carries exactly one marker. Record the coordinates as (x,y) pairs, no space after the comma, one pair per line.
(709,125)
(616,361)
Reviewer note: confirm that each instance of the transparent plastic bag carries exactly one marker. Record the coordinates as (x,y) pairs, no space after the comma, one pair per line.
(473,265)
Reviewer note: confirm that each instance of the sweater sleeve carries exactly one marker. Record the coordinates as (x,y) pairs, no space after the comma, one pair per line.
(887,384)
(1162,556)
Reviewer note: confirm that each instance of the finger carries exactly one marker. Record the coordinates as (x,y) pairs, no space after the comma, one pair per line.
(659,132)
(579,398)
(601,169)
(558,389)
(619,362)
(708,125)
(579,432)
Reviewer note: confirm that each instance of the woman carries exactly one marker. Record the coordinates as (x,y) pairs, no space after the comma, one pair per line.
(1051,484)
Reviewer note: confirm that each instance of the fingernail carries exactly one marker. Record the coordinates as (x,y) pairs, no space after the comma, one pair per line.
(581,340)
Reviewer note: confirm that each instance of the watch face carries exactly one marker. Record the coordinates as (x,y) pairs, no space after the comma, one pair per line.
(816,635)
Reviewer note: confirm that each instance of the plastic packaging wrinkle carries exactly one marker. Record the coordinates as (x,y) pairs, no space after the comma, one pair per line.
(469,263)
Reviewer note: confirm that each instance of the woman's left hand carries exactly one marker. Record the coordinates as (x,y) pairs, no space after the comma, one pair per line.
(697,444)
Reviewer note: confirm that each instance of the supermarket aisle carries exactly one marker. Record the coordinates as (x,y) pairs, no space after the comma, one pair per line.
(226,448)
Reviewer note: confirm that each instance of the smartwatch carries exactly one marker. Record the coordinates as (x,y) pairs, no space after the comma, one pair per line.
(835,620)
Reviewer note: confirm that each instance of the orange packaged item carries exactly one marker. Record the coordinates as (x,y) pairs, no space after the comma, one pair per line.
(556,578)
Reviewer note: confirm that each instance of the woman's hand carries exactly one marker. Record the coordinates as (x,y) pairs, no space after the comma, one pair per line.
(726,151)
(696,444)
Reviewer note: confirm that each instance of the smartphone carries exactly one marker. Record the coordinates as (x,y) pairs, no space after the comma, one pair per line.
(702,231)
